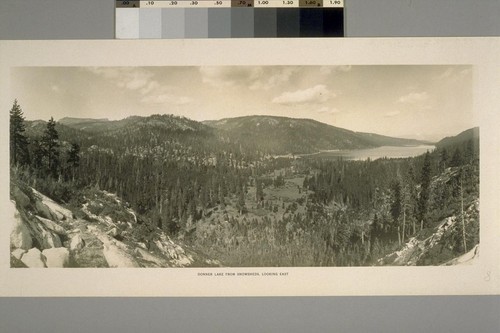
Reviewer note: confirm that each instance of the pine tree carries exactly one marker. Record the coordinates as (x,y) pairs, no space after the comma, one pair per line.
(259,193)
(241,201)
(19,154)
(50,142)
(457,159)
(221,196)
(305,184)
(425,182)
(412,198)
(38,154)
(462,216)
(74,155)
(396,206)
(396,203)
(405,205)
(443,163)
(469,152)
(74,158)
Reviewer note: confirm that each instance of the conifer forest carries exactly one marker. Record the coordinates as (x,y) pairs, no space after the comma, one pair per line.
(164,190)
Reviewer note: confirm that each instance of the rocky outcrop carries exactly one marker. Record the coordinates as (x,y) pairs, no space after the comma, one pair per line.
(44,211)
(118,258)
(18,253)
(52,226)
(114,232)
(50,240)
(16,263)
(60,213)
(465,259)
(415,248)
(418,248)
(21,198)
(107,239)
(20,236)
(33,258)
(56,257)
(76,243)
(174,252)
(145,255)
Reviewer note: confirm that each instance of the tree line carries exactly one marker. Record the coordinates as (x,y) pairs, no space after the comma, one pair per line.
(352,212)
(44,160)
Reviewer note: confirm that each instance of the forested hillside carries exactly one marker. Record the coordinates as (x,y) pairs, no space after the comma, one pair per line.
(218,192)
(281,135)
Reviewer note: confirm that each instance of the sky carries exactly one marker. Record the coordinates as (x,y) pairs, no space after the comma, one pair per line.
(412,101)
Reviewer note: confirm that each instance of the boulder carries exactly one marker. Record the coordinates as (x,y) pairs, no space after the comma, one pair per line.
(16,263)
(44,211)
(56,257)
(116,257)
(60,212)
(18,253)
(467,258)
(20,236)
(150,257)
(50,239)
(92,228)
(33,258)
(21,199)
(114,232)
(76,243)
(53,226)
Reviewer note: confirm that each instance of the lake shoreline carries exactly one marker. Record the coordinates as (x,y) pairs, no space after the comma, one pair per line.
(366,153)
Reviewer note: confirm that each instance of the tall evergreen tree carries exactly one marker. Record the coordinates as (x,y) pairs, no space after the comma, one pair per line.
(241,201)
(457,159)
(74,155)
(259,193)
(73,159)
(50,142)
(38,154)
(425,182)
(469,152)
(19,154)
(396,201)
(412,198)
(396,206)
(443,162)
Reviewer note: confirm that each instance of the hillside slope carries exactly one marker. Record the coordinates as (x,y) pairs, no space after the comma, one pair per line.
(430,246)
(102,232)
(166,122)
(266,134)
(442,242)
(457,140)
(288,135)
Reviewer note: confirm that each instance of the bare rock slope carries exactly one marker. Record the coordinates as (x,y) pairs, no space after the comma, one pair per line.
(102,232)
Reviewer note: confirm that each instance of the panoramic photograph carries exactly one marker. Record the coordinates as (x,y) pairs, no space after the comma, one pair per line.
(243,166)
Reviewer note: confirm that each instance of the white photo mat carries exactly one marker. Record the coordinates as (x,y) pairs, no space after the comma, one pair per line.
(482,277)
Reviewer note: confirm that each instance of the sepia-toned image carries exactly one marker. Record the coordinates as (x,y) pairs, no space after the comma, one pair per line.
(243,166)
(213,168)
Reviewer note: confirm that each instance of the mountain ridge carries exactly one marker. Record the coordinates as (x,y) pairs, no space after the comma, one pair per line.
(468,134)
(267,134)
(309,135)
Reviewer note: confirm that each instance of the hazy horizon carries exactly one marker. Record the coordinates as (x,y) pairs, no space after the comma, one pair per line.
(425,102)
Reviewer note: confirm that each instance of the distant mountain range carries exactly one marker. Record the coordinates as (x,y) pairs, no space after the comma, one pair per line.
(311,132)
(167,122)
(269,134)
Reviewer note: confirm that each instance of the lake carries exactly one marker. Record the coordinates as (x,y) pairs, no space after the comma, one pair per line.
(373,153)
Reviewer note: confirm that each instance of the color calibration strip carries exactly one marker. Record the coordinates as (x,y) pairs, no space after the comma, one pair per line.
(169,19)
